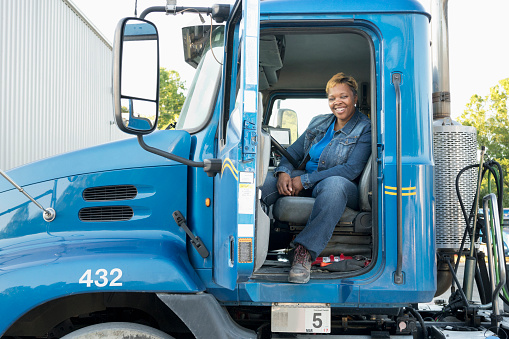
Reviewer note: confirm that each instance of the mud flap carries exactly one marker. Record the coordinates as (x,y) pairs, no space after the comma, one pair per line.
(212,320)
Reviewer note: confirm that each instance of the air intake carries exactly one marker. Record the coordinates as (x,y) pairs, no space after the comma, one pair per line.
(106,213)
(455,147)
(110,193)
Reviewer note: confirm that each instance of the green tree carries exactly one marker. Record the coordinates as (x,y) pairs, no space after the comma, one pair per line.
(171,97)
(489,116)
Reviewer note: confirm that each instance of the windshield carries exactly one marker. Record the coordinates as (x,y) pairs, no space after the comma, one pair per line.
(202,92)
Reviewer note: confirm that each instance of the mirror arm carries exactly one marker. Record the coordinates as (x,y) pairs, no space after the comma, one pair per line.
(219,12)
(151,10)
(168,155)
(174,10)
(210,166)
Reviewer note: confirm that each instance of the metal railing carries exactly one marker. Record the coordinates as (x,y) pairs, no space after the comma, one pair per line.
(495,246)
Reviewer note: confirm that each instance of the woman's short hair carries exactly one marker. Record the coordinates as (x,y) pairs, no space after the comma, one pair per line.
(341,78)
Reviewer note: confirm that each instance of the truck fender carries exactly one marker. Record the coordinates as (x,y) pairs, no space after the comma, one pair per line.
(131,265)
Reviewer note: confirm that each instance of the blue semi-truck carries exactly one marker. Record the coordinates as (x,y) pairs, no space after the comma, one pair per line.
(164,235)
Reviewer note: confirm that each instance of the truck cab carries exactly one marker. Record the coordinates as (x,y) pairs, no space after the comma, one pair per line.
(298,51)
(133,217)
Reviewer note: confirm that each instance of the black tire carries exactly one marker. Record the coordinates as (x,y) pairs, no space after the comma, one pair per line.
(117,330)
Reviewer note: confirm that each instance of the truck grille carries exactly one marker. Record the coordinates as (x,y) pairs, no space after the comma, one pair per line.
(106,213)
(110,193)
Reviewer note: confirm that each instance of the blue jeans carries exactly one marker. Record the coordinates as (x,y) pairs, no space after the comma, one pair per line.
(332,195)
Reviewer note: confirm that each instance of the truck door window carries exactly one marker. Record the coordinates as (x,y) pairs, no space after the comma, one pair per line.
(294,115)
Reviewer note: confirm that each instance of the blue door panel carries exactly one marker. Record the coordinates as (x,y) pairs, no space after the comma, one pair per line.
(235,186)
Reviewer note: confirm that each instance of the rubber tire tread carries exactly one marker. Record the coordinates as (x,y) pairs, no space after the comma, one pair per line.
(118,330)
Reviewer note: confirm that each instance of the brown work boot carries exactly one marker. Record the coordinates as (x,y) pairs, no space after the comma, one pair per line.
(301,266)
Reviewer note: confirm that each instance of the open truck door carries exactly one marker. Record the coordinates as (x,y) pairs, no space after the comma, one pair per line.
(236,187)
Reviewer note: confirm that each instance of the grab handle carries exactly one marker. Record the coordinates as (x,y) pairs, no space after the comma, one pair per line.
(398,275)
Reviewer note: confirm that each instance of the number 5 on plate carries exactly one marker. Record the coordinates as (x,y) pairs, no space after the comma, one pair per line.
(317,320)
(300,318)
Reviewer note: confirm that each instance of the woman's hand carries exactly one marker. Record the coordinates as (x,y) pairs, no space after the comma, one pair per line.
(287,185)
(297,186)
(284,184)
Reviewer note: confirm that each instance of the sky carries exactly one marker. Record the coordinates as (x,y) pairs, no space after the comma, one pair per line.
(478,39)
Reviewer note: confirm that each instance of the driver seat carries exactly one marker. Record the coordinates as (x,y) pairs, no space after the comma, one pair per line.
(296,210)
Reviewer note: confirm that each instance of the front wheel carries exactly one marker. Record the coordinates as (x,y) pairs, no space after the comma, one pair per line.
(117,331)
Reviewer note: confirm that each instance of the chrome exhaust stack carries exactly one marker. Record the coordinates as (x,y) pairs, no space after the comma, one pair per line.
(440,57)
(454,148)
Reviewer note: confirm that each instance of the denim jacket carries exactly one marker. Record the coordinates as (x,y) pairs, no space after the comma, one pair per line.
(345,155)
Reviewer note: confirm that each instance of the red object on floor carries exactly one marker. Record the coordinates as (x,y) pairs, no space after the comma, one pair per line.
(324,261)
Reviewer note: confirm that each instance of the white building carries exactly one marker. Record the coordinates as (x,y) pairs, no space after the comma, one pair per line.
(55,82)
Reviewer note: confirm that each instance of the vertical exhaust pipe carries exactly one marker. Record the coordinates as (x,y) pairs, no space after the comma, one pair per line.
(454,147)
(440,51)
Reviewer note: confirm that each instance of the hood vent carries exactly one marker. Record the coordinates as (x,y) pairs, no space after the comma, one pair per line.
(110,193)
(106,213)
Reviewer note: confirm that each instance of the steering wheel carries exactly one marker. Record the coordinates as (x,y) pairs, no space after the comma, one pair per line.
(284,152)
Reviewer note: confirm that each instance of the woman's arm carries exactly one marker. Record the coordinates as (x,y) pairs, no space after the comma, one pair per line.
(296,150)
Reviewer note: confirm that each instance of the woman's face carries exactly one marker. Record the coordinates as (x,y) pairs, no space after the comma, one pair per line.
(342,103)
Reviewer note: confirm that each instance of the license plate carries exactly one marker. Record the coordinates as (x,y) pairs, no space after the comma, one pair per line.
(300,318)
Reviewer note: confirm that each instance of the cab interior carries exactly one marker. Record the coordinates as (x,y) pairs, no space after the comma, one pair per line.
(294,67)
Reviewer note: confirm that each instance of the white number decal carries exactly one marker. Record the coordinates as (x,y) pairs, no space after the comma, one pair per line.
(114,282)
(86,278)
(102,277)
(102,273)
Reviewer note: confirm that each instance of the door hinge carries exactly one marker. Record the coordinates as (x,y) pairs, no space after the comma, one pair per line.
(249,141)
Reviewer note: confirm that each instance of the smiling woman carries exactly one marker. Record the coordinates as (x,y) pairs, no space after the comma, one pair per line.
(333,150)
(354,194)
(295,80)
(342,97)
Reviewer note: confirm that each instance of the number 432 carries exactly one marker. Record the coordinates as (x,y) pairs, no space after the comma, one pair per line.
(102,277)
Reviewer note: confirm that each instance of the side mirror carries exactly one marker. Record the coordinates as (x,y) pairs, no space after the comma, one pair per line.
(136,76)
(197,41)
(287,118)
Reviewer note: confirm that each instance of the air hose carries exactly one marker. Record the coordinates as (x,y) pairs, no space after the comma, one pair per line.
(487,166)
(471,260)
